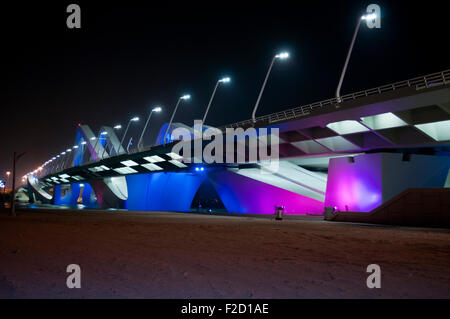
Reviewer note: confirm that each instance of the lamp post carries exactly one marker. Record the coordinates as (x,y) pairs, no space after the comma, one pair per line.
(185,98)
(134,119)
(156,109)
(280,56)
(224,80)
(367,17)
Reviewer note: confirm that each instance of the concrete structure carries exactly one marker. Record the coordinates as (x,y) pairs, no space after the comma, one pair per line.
(354,154)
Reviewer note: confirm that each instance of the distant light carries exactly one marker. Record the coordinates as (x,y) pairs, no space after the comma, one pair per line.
(93,138)
(53,158)
(118,127)
(202,169)
(63,153)
(157,109)
(75,146)
(371,16)
(282,56)
(225,80)
(197,169)
(69,150)
(81,185)
(135,119)
(104,133)
(186,97)
(57,156)
(8,173)
(83,143)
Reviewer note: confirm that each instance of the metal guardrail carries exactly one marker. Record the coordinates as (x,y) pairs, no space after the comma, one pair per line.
(423,82)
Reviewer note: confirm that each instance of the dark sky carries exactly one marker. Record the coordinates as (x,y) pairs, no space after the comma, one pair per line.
(130,55)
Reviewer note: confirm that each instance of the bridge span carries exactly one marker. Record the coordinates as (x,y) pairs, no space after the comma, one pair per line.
(353,154)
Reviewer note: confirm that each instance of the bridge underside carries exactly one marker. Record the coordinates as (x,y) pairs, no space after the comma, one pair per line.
(351,183)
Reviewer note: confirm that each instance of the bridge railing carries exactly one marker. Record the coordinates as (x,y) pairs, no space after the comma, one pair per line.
(419,83)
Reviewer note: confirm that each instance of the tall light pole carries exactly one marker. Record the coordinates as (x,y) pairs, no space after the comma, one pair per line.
(185,98)
(224,80)
(281,56)
(156,109)
(367,17)
(134,119)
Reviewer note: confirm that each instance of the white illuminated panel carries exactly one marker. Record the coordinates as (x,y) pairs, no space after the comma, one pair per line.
(154,159)
(99,168)
(152,167)
(310,147)
(347,127)
(78,178)
(65,180)
(174,156)
(64,176)
(177,163)
(54,178)
(337,144)
(125,170)
(129,163)
(439,131)
(383,121)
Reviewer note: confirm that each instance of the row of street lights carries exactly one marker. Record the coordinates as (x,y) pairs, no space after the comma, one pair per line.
(157,109)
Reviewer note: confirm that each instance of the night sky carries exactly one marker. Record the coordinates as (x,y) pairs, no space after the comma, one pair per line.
(129,56)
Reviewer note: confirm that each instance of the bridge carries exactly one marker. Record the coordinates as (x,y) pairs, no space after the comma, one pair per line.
(352,154)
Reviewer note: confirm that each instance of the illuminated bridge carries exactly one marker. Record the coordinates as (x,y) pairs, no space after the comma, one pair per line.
(355,155)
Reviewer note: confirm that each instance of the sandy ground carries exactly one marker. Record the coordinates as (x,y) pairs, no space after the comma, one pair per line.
(172,255)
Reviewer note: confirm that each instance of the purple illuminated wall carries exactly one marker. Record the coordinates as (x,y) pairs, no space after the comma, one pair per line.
(355,186)
(373,179)
(244,195)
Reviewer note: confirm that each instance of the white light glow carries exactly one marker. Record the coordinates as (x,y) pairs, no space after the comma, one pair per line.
(154,159)
(185,97)
(439,131)
(152,167)
(157,109)
(347,127)
(174,156)
(225,80)
(118,127)
(282,56)
(125,170)
(135,119)
(129,163)
(383,121)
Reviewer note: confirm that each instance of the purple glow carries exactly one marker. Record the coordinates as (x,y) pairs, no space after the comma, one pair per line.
(355,186)
(244,195)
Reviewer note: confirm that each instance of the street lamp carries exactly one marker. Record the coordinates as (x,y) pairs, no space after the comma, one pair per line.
(99,138)
(224,80)
(156,109)
(367,17)
(281,56)
(185,98)
(8,173)
(134,119)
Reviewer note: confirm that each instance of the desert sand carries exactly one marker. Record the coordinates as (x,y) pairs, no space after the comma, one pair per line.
(176,255)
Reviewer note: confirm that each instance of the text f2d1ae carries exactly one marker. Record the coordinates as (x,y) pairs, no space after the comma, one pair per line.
(229,309)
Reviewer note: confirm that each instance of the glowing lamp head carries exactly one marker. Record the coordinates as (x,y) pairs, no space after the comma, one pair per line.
(118,127)
(75,147)
(185,97)
(63,153)
(93,138)
(282,56)
(8,173)
(83,143)
(157,109)
(69,150)
(369,17)
(104,133)
(225,80)
(135,119)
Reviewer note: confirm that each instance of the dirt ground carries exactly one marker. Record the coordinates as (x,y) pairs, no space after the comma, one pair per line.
(173,255)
